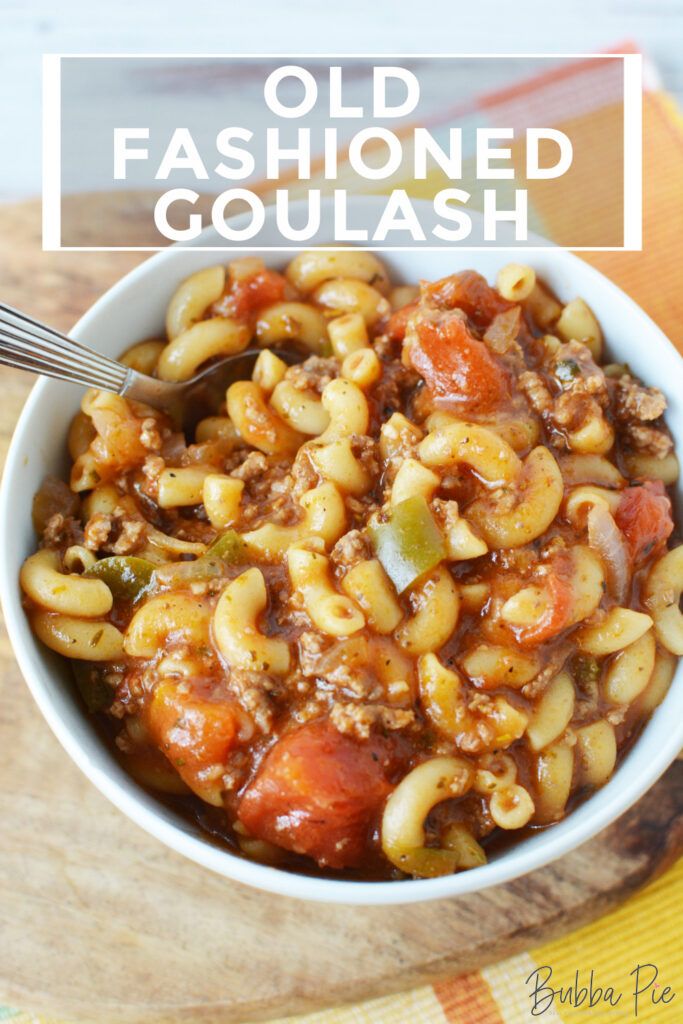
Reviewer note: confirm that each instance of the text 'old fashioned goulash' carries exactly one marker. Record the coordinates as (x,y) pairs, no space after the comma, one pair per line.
(388,604)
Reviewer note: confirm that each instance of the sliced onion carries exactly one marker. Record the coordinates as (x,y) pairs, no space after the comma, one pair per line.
(605,537)
(502,332)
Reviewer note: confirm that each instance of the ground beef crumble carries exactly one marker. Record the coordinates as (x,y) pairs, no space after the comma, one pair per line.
(538,684)
(573,391)
(359,719)
(62,531)
(478,737)
(304,475)
(268,489)
(386,347)
(572,409)
(389,392)
(636,408)
(634,401)
(649,440)
(575,371)
(116,533)
(311,646)
(253,466)
(339,664)
(537,392)
(313,374)
(365,450)
(350,549)
(150,435)
(254,691)
(153,467)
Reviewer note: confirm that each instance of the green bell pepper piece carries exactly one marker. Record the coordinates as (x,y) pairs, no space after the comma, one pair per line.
(97,695)
(586,671)
(229,547)
(127,576)
(410,543)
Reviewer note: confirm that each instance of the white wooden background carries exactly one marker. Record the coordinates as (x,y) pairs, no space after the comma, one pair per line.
(29,28)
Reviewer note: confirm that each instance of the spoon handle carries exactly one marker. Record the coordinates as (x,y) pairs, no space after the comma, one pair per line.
(30,345)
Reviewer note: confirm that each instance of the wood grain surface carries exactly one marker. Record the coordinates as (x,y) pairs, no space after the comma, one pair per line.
(98,921)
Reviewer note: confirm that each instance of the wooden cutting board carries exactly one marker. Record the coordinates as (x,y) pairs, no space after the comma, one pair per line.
(98,921)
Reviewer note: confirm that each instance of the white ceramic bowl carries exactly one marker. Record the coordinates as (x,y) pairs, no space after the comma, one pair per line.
(134,309)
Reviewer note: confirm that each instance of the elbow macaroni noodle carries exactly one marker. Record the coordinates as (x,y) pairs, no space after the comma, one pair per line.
(236,627)
(333,613)
(347,408)
(291,321)
(183,356)
(66,593)
(381,605)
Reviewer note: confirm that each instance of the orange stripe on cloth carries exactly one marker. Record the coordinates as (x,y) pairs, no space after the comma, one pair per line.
(468,1000)
(587,206)
(553,75)
(645,930)
(654,277)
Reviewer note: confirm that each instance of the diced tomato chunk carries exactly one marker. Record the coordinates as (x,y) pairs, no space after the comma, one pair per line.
(398,321)
(470,292)
(459,370)
(557,614)
(117,445)
(247,295)
(194,732)
(644,517)
(317,793)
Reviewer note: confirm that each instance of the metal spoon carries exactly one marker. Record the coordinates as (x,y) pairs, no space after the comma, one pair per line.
(27,344)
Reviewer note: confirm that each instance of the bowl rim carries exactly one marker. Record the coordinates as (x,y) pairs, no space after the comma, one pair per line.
(592,816)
